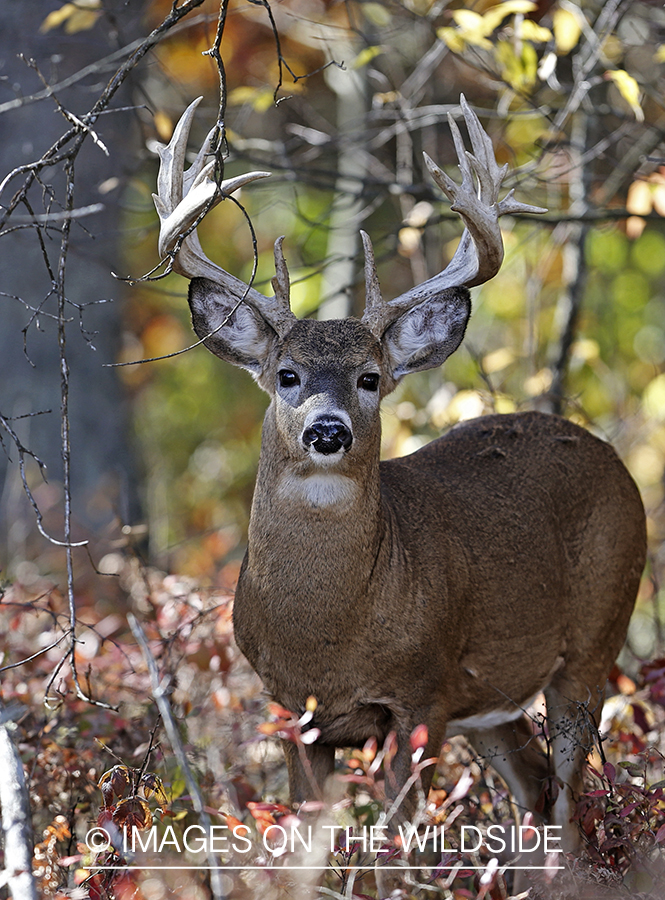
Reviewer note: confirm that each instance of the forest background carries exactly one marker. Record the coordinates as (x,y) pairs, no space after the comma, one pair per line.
(150,465)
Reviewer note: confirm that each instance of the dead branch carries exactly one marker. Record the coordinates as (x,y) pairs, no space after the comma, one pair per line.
(159,692)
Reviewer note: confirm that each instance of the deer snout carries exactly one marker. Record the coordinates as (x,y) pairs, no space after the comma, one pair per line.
(327,435)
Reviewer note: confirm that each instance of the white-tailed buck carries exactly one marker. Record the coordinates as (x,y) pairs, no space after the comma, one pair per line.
(448,587)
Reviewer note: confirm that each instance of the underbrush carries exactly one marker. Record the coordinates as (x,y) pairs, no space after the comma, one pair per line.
(123,807)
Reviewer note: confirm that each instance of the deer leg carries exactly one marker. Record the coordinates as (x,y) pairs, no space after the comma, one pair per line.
(309,767)
(571,732)
(402,802)
(512,749)
(402,767)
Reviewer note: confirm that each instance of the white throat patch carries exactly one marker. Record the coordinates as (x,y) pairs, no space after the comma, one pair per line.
(321,489)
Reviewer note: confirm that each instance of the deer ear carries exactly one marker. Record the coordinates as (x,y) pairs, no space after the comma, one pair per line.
(427,334)
(233,331)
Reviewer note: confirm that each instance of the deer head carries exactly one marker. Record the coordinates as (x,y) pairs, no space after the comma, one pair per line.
(417,330)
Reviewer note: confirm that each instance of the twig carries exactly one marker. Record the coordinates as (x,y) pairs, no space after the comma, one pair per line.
(159,692)
(28,659)
(47,218)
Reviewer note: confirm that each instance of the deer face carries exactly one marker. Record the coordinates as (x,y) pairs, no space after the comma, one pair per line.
(327,382)
(326,379)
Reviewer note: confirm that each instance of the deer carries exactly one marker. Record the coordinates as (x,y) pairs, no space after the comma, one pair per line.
(447,588)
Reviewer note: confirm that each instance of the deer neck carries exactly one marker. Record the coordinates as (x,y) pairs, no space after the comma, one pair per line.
(299,512)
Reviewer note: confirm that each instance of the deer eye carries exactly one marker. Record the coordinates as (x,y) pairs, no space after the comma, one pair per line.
(369,381)
(287,378)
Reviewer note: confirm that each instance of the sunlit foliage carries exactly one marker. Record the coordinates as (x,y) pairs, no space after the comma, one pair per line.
(570,93)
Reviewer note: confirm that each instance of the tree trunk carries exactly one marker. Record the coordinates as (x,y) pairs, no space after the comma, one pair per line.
(102,469)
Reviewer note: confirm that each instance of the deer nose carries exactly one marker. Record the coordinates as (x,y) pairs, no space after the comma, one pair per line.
(327,436)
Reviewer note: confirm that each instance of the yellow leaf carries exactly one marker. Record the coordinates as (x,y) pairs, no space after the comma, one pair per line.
(653,398)
(366,56)
(381,98)
(409,241)
(264,100)
(468,20)
(498,360)
(659,199)
(523,131)
(531,31)
(81,20)
(504,404)
(496,14)
(259,99)
(585,350)
(538,383)
(419,215)
(377,14)
(452,38)
(472,28)
(518,71)
(659,55)
(567,30)
(57,17)
(629,90)
(639,201)
(78,16)
(163,125)
(612,51)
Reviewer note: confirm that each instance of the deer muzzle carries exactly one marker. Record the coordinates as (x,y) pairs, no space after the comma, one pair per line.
(327,435)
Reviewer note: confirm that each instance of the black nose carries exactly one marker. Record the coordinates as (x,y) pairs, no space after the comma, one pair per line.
(327,436)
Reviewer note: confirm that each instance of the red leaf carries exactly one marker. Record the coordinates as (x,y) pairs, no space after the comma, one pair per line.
(133,812)
(639,717)
(419,737)
(279,711)
(627,810)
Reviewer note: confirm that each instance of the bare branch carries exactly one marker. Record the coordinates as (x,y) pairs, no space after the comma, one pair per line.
(159,692)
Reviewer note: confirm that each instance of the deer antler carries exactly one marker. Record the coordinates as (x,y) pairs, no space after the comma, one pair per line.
(480,252)
(183,198)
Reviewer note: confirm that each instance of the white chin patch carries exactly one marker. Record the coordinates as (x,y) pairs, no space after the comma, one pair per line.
(325,460)
(319,490)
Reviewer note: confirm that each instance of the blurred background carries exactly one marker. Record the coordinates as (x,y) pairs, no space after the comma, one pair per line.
(338,101)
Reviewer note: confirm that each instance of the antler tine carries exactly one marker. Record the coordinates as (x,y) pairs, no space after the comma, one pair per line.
(172,162)
(185,197)
(281,283)
(374,304)
(490,175)
(480,252)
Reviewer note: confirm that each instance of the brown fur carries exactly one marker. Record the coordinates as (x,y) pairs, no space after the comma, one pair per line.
(446,588)
(500,560)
